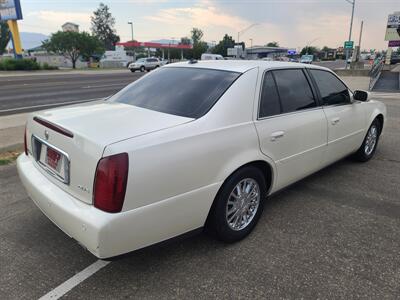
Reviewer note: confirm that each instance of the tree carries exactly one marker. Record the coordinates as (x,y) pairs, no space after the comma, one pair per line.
(309,50)
(185,41)
(226,42)
(4,37)
(325,49)
(199,47)
(103,27)
(73,45)
(197,35)
(272,44)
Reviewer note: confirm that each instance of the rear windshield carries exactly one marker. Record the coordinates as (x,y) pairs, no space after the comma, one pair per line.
(186,92)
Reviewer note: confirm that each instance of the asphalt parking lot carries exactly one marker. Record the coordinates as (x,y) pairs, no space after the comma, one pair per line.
(335,234)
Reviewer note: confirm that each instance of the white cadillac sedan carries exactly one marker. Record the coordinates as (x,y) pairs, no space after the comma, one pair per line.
(190,145)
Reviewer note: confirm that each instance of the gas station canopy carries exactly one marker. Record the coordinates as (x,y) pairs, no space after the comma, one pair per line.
(154,45)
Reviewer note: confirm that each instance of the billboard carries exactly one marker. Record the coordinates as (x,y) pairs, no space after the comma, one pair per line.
(10,10)
(393,27)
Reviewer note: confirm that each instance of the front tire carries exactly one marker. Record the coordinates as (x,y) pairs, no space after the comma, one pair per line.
(142,69)
(238,205)
(368,147)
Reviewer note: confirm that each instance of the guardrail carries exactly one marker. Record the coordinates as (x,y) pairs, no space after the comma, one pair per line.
(375,73)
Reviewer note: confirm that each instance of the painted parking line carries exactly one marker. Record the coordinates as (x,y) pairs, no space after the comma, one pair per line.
(68,285)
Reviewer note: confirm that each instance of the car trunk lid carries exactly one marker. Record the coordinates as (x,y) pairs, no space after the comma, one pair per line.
(67,143)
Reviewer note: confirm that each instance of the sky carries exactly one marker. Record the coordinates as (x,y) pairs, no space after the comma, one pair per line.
(292,23)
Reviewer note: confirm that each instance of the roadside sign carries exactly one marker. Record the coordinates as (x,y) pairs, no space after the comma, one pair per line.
(393,27)
(232,51)
(394,43)
(292,52)
(348,45)
(10,10)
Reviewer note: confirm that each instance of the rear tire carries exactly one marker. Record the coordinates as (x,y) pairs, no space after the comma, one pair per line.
(238,205)
(368,147)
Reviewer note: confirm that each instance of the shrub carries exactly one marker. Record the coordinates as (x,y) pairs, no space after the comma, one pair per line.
(46,66)
(23,65)
(18,65)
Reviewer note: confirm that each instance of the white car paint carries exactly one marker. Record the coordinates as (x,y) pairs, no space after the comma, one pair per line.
(177,164)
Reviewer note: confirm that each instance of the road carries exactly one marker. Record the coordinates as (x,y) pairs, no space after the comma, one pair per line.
(30,92)
(335,64)
(334,235)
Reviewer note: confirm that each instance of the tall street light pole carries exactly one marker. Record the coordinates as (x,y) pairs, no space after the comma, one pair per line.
(309,44)
(244,30)
(353,3)
(251,47)
(131,23)
(134,54)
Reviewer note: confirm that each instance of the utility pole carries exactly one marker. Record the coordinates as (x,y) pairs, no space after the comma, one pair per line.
(353,3)
(359,41)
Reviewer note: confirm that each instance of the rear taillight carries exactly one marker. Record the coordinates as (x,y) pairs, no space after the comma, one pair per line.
(25,143)
(110,182)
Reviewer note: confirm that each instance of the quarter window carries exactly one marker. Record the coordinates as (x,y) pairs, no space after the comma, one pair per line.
(332,90)
(294,90)
(270,104)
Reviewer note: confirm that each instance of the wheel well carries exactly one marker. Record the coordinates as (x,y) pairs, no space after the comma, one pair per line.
(263,166)
(380,119)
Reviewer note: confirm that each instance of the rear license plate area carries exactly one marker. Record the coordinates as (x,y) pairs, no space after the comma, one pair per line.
(54,161)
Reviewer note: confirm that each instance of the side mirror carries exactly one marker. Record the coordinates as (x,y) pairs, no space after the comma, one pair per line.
(360,96)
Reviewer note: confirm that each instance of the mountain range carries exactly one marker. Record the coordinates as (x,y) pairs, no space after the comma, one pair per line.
(31,40)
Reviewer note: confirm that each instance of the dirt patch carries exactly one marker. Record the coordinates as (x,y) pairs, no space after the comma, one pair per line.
(8,157)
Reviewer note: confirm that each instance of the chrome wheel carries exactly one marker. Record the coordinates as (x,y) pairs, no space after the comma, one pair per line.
(371,139)
(243,203)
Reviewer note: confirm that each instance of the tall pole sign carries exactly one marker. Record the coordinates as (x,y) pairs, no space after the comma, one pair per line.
(10,12)
(392,34)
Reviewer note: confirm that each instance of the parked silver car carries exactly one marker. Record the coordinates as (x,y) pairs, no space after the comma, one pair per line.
(144,64)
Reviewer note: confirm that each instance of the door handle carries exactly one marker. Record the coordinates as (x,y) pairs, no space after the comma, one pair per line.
(277,135)
(334,121)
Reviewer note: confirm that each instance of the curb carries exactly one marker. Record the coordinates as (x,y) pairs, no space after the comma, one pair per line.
(13,147)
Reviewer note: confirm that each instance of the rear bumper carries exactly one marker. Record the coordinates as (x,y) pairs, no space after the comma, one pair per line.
(79,220)
(105,234)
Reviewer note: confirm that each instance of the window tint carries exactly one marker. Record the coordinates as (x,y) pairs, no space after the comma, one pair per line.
(294,90)
(187,92)
(332,90)
(269,105)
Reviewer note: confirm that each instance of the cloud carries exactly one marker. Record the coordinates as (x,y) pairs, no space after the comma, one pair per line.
(214,22)
(198,16)
(54,19)
(57,16)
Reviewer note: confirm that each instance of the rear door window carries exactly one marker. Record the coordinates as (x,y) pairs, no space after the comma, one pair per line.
(294,90)
(332,90)
(186,92)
